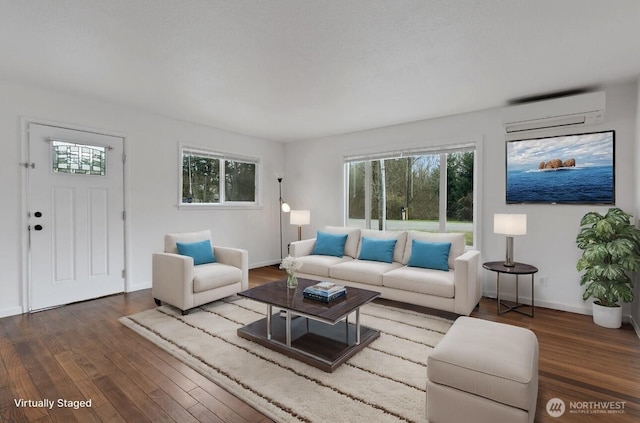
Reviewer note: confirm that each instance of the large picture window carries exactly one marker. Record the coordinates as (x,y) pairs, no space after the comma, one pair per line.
(214,178)
(429,191)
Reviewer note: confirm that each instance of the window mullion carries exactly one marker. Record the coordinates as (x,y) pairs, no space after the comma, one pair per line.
(367,194)
(221,181)
(442,219)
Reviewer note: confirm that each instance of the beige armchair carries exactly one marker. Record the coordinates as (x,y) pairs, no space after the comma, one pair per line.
(176,281)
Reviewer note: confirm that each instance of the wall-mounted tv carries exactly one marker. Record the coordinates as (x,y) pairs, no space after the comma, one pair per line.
(568,169)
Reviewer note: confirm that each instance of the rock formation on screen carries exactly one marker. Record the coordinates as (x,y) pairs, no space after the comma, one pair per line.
(557,163)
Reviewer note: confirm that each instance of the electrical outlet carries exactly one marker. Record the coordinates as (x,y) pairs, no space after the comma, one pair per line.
(543,280)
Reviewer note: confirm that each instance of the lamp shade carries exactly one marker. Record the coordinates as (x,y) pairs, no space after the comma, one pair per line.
(300,217)
(510,224)
(285,207)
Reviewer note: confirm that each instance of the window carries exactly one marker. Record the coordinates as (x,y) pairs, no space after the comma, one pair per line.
(429,191)
(211,178)
(81,159)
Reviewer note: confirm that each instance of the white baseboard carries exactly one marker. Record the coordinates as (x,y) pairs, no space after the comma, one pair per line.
(545,304)
(264,263)
(11,311)
(586,310)
(139,286)
(635,326)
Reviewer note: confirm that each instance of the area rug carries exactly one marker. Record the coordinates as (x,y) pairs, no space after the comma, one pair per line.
(385,382)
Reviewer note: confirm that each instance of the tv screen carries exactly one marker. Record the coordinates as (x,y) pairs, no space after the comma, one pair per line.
(568,169)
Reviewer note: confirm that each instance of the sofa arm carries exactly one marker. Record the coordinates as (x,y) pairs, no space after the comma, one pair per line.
(235,257)
(468,290)
(302,248)
(172,279)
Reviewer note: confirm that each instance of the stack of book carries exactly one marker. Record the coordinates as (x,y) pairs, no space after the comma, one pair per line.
(324,291)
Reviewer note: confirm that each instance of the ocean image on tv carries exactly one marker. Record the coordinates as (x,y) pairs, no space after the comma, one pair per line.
(569,169)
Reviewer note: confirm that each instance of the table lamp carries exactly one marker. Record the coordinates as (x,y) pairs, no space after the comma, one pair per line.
(300,217)
(510,225)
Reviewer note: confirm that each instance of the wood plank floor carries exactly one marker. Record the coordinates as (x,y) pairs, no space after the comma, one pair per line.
(81,352)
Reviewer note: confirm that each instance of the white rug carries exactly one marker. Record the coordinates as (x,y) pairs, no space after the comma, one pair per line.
(385,382)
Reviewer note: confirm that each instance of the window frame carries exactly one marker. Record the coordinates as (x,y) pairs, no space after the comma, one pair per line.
(222,157)
(474,144)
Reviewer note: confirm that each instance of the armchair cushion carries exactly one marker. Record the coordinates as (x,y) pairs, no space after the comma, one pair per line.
(214,275)
(200,251)
(170,240)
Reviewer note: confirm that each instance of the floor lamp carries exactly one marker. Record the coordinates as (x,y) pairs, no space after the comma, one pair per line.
(284,207)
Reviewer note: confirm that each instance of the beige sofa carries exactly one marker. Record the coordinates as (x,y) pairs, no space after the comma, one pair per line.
(180,283)
(456,290)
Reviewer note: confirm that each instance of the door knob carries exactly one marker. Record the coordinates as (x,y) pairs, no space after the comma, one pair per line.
(38,214)
(38,227)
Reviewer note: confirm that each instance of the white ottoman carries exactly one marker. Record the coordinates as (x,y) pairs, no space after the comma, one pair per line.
(483,371)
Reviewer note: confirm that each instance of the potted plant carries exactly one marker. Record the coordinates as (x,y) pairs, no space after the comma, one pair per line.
(610,247)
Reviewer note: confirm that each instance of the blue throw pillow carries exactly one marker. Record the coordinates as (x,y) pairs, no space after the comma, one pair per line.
(430,255)
(201,251)
(329,244)
(377,249)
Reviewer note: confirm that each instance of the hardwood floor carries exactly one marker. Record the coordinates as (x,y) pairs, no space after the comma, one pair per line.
(80,352)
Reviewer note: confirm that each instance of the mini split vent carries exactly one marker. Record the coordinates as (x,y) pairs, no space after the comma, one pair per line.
(571,111)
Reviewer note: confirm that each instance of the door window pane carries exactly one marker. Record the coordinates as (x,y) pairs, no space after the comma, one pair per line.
(78,158)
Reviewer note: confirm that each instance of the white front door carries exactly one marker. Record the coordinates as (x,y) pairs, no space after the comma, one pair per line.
(76,215)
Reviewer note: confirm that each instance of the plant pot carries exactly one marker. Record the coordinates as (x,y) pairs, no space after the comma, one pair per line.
(608,317)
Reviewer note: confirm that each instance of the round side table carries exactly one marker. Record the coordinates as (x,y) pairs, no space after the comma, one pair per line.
(518,269)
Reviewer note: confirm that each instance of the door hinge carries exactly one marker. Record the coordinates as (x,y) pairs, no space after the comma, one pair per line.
(28,165)
(124,215)
(124,273)
(124,157)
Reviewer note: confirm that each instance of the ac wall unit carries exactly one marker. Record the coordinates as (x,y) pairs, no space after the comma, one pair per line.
(570,111)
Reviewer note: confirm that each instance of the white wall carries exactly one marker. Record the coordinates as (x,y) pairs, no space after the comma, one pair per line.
(316,166)
(152,184)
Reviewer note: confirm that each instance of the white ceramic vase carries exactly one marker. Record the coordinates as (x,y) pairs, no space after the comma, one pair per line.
(608,317)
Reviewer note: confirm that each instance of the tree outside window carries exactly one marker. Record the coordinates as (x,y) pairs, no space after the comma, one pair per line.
(212,178)
(404,192)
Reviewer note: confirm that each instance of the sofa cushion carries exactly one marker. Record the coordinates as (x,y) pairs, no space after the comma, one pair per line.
(170,240)
(364,271)
(201,251)
(430,255)
(353,238)
(456,239)
(377,249)
(319,265)
(214,275)
(329,244)
(400,236)
(423,281)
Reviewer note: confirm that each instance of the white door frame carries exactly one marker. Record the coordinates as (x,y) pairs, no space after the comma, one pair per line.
(24,145)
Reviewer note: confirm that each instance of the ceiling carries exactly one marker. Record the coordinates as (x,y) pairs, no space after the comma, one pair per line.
(290,70)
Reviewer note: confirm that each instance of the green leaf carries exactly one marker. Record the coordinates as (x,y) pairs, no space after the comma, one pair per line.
(590,218)
(611,248)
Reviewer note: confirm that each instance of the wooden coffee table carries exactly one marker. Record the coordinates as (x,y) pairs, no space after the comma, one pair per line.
(313,332)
